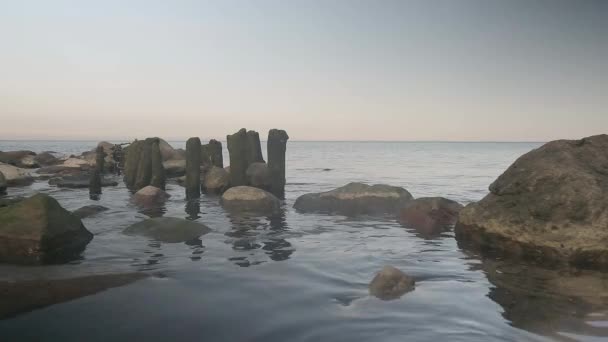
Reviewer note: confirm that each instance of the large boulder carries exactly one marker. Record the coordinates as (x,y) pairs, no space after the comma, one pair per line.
(168,152)
(16,176)
(355,199)
(46,159)
(258,175)
(430,215)
(216,180)
(38,230)
(91,156)
(391,283)
(175,167)
(168,229)
(150,195)
(79,181)
(551,205)
(250,199)
(3,184)
(23,159)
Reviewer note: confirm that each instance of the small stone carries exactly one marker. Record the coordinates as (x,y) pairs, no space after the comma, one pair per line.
(150,195)
(250,199)
(168,229)
(89,210)
(391,283)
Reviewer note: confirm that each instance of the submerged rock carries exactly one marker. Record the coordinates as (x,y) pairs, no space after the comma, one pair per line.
(355,199)
(27,295)
(391,283)
(89,210)
(79,181)
(39,230)
(216,180)
(150,195)
(250,199)
(168,229)
(551,205)
(15,176)
(430,215)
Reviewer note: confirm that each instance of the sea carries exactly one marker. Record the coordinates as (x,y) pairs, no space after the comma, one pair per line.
(304,277)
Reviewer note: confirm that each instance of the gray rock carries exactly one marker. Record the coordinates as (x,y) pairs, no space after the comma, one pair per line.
(250,199)
(258,175)
(38,230)
(391,283)
(175,167)
(22,159)
(89,210)
(79,181)
(168,229)
(46,159)
(16,176)
(217,180)
(355,199)
(430,215)
(551,206)
(3,184)
(150,195)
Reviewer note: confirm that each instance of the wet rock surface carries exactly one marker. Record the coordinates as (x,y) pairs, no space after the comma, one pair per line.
(355,199)
(89,210)
(16,176)
(216,180)
(391,283)
(430,215)
(168,229)
(258,175)
(150,195)
(79,181)
(38,230)
(250,199)
(22,159)
(550,205)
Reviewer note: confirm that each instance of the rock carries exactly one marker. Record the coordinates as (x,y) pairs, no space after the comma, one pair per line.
(22,159)
(89,210)
(79,181)
(46,159)
(277,146)
(258,175)
(168,229)
(550,205)
(217,180)
(430,215)
(175,167)
(238,152)
(23,296)
(76,162)
(38,230)
(15,176)
(391,283)
(150,195)
(5,202)
(57,171)
(250,199)
(168,152)
(193,168)
(355,199)
(3,184)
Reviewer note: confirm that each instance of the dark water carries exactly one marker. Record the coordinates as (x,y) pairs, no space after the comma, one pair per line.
(304,277)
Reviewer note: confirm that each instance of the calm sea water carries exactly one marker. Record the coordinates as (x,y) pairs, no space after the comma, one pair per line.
(304,277)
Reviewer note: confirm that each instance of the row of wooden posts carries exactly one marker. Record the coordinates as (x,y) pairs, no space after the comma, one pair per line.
(143,164)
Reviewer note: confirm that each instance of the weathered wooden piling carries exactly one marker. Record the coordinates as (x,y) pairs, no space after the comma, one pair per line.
(100,159)
(95,182)
(158,178)
(193,168)
(254,148)
(276,147)
(144,167)
(214,151)
(238,151)
(133,154)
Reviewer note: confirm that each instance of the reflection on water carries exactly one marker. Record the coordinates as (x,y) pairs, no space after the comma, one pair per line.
(193,209)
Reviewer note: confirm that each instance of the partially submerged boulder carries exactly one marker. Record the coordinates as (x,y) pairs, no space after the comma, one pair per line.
(250,199)
(79,181)
(551,205)
(258,175)
(150,195)
(175,167)
(23,159)
(38,230)
(78,163)
(355,199)
(89,210)
(391,283)
(16,176)
(46,159)
(216,180)
(168,229)
(430,215)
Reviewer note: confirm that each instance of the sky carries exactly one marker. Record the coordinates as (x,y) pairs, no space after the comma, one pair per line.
(428,70)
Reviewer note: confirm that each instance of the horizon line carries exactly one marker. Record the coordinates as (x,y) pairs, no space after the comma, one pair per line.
(304,140)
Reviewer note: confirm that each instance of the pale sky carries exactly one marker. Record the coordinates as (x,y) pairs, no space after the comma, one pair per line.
(322,70)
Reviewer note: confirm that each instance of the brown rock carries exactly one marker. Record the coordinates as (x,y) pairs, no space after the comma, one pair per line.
(391,283)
